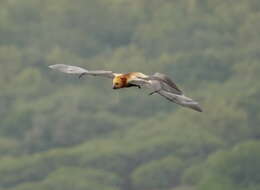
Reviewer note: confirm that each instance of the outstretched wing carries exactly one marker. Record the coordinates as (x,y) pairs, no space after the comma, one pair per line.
(157,82)
(181,100)
(167,83)
(163,85)
(80,71)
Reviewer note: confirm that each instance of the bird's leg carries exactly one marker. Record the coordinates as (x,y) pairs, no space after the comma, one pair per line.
(131,85)
(138,86)
(154,92)
(81,75)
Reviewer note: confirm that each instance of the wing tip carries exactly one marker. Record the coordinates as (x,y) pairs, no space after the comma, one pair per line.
(51,66)
(55,66)
(196,107)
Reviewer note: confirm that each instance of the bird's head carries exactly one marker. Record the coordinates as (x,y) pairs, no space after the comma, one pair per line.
(119,82)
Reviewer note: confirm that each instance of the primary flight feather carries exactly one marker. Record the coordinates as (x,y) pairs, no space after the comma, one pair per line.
(158,83)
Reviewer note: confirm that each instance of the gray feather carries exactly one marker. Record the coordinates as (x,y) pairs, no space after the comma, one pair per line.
(78,70)
(163,85)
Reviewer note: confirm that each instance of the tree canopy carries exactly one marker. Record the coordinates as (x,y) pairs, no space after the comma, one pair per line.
(59,132)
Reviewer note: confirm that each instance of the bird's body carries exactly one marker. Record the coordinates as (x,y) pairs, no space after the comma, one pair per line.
(124,80)
(158,83)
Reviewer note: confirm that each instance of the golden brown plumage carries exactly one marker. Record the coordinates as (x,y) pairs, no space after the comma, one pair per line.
(119,81)
(123,80)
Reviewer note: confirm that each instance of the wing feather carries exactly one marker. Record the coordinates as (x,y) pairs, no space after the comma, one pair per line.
(164,86)
(167,80)
(81,71)
(157,81)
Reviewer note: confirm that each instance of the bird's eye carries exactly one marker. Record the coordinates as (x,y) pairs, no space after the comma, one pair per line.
(116,83)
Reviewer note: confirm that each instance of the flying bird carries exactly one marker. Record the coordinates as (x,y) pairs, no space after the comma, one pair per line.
(158,83)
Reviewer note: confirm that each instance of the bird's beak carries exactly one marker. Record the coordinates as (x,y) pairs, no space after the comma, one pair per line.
(114,87)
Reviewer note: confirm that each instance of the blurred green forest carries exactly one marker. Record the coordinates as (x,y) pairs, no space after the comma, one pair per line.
(59,132)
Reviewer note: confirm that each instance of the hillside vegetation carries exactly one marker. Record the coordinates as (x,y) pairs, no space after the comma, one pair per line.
(61,133)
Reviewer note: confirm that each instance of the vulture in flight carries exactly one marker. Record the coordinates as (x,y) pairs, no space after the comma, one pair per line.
(158,83)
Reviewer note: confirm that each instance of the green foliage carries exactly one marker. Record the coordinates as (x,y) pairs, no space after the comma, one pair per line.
(59,132)
(240,167)
(75,178)
(158,174)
